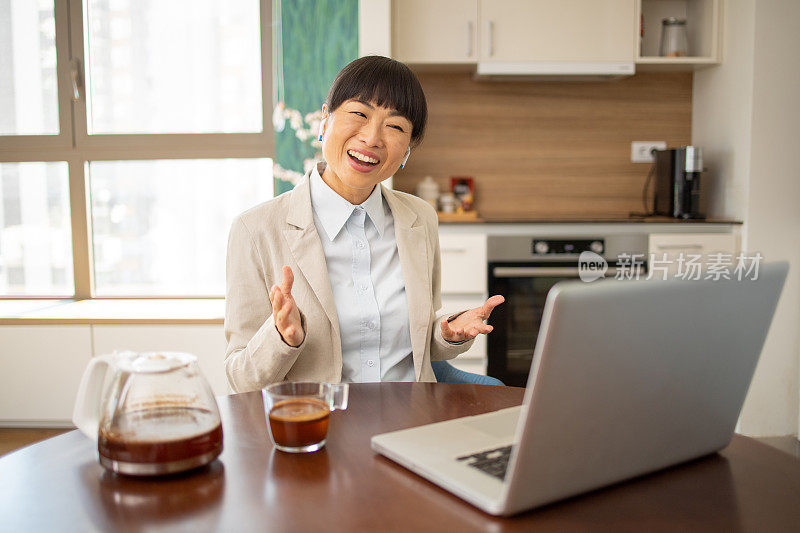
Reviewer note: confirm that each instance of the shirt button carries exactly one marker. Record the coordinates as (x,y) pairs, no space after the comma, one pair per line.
(370,363)
(363,287)
(371,324)
(360,244)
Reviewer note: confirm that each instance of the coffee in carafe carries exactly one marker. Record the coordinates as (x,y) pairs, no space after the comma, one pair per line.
(158,415)
(177,436)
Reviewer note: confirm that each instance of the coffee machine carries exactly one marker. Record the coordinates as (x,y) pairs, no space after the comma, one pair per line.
(677,182)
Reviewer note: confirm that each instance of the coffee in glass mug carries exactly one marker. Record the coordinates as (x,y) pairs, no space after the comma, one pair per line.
(298,413)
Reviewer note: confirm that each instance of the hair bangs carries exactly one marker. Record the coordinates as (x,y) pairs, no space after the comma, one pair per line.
(386,83)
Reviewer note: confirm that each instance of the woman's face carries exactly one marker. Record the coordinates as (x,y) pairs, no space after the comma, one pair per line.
(363,144)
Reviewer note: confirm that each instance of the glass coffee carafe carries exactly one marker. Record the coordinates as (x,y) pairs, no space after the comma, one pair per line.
(156,415)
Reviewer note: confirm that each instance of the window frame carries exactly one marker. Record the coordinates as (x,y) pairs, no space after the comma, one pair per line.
(74,145)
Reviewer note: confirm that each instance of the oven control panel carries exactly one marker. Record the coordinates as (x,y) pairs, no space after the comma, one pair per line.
(567,247)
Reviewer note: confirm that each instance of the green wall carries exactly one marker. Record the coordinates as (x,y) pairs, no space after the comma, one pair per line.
(319,38)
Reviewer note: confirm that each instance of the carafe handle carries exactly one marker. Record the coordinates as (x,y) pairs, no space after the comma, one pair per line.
(86,415)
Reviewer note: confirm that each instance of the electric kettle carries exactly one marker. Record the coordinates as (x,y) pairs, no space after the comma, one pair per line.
(156,414)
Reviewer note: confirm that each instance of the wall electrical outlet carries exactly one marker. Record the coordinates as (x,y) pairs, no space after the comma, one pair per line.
(640,150)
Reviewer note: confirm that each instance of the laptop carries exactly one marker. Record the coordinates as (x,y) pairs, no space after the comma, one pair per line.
(628,377)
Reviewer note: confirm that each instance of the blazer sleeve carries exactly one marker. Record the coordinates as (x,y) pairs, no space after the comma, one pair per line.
(256,354)
(440,348)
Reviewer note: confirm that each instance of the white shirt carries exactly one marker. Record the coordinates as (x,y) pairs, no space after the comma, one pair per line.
(367,284)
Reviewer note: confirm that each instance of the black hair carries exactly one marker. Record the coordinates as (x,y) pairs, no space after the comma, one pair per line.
(385,82)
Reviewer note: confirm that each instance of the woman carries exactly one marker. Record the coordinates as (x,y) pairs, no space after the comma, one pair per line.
(339,279)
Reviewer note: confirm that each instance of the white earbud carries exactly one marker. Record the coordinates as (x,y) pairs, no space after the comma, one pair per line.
(405,159)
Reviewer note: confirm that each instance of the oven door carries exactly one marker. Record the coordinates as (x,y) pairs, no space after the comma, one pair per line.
(516,322)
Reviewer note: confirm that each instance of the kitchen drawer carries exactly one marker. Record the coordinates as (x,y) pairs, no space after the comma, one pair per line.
(463,263)
(687,244)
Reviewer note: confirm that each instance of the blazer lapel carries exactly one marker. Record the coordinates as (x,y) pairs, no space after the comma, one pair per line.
(412,248)
(306,248)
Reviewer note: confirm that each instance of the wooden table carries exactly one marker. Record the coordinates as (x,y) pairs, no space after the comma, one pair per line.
(58,485)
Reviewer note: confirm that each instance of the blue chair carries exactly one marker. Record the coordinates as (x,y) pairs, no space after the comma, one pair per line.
(447,373)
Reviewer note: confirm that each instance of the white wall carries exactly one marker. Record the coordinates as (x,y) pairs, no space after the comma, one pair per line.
(722,112)
(747,117)
(773,209)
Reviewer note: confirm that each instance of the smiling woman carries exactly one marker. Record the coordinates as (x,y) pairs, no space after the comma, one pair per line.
(374,113)
(339,279)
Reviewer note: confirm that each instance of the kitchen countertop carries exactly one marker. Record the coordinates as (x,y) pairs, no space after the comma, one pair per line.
(588,220)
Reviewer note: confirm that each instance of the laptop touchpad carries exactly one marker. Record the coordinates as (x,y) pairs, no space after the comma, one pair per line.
(500,424)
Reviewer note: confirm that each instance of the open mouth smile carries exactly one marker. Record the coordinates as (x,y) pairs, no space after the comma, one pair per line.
(362,161)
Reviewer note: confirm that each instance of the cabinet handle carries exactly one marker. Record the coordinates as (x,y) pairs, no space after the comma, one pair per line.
(679,246)
(469,38)
(454,250)
(491,38)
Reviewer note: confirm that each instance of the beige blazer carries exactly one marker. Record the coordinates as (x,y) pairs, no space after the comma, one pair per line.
(281,232)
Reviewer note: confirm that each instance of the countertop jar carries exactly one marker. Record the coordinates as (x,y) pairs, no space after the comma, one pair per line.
(428,190)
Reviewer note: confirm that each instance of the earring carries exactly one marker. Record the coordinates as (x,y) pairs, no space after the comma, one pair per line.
(405,159)
(320,136)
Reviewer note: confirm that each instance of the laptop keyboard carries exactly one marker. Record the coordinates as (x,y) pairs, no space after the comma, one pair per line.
(493,462)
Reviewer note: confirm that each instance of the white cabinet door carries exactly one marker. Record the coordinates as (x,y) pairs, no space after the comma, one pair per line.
(463,263)
(207,342)
(42,368)
(558,30)
(442,31)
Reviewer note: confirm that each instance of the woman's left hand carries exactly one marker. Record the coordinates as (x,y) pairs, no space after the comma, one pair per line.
(469,324)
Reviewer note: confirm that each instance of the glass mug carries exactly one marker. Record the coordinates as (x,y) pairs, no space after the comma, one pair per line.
(298,413)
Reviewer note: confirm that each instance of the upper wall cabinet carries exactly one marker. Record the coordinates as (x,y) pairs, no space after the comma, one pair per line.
(543,37)
(442,31)
(557,30)
(703,22)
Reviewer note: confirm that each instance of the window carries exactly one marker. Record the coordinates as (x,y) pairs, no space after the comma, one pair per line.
(35,235)
(132,132)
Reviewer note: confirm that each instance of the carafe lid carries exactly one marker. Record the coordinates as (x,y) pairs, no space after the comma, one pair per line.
(153,362)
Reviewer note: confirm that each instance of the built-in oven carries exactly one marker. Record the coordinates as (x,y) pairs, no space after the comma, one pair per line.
(524,269)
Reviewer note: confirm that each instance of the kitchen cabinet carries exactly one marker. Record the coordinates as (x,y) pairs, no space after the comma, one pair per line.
(463,263)
(703,23)
(562,30)
(513,31)
(42,368)
(667,249)
(500,35)
(206,341)
(464,287)
(445,31)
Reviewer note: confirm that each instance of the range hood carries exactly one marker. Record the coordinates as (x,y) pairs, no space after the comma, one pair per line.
(556,70)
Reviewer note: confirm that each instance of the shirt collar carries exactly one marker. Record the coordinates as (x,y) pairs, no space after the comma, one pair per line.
(333,210)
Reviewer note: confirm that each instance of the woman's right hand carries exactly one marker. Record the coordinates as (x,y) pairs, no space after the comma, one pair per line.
(285,311)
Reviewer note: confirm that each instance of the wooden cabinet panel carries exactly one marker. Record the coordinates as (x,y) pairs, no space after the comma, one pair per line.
(207,342)
(444,31)
(558,30)
(42,368)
